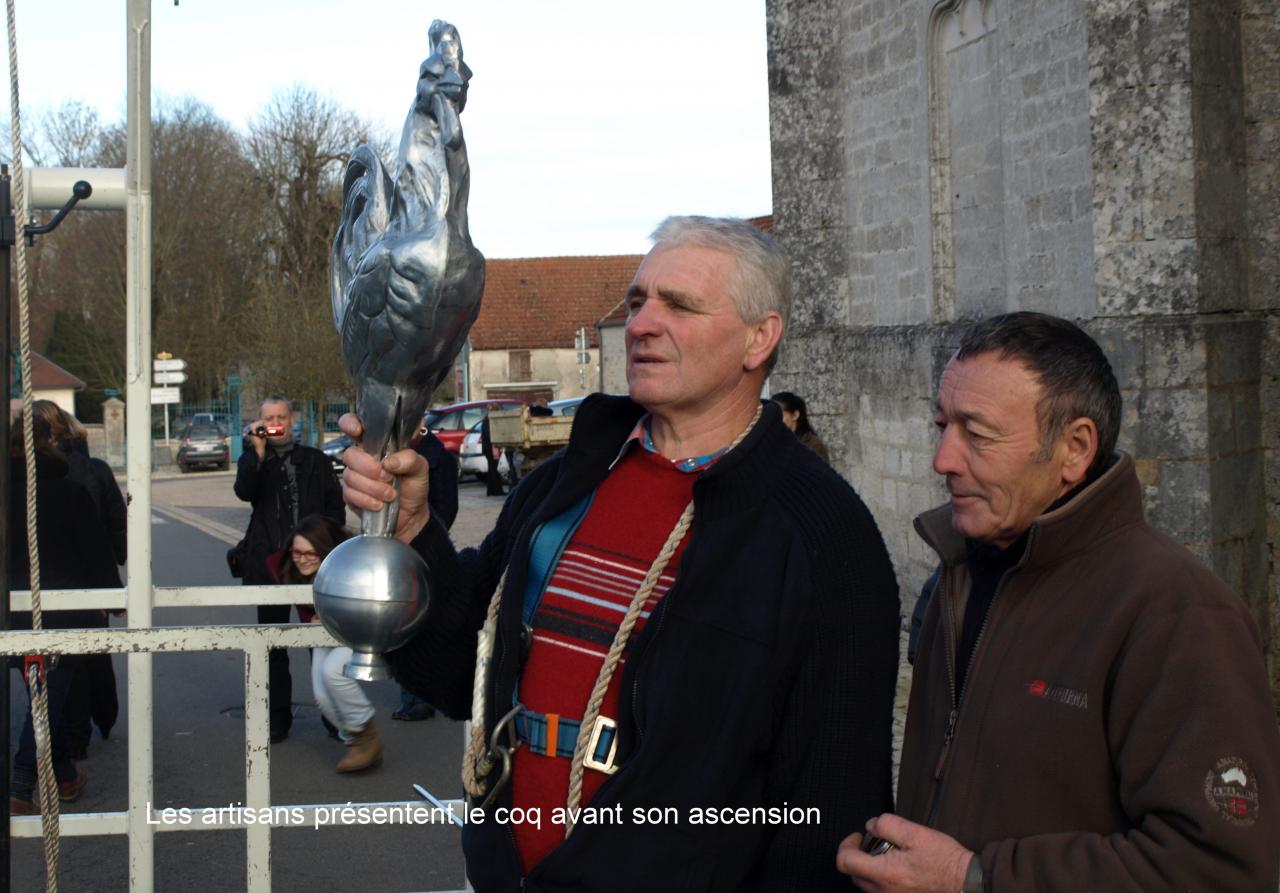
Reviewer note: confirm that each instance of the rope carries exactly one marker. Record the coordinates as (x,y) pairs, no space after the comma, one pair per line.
(477,763)
(577,769)
(49,803)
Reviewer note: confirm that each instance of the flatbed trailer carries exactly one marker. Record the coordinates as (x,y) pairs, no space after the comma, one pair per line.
(529,439)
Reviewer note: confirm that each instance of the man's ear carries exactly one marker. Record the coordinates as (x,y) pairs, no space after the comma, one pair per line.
(762,339)
(1080,443)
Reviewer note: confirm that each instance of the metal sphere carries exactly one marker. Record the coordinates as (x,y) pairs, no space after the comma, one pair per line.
(371,594)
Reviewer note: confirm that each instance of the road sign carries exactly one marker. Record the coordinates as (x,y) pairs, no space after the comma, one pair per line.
(170,377)
(169,365)
(165,395)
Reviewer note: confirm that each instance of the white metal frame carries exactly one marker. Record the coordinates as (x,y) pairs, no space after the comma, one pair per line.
(130,190)
(139,821)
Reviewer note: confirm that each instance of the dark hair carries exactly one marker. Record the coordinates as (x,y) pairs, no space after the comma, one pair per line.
(318,530)
(1072,370)
(793,403)
(41,435)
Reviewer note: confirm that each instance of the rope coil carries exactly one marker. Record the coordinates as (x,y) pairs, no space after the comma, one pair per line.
(48,788)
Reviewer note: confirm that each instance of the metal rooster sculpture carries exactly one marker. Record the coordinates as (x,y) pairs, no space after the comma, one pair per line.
(406,279)
(406,288)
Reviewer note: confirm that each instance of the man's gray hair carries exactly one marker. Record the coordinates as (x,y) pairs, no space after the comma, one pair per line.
(762,281)
(276,398)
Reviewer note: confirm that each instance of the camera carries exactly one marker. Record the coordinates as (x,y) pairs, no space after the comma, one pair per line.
(269,431)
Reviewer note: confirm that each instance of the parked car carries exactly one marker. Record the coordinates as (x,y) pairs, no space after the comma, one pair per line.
(471,457)
(220,419)
(334,450)
(203,444)
(451,423)
(567,406)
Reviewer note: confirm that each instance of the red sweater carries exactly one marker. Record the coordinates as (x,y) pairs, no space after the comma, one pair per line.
(603,566)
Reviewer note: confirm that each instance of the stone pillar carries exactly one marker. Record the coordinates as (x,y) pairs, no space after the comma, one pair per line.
(113,431)
(1112,162)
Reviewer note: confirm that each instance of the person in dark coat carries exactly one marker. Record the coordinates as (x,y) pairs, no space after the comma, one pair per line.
(443,478)
(492,478)
(75,553)
(285,482)
(93,697)
(795,415)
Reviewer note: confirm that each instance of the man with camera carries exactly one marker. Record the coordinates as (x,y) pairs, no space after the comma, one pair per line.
(285,482)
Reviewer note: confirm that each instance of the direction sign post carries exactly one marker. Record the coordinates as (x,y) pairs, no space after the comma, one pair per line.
(167,370)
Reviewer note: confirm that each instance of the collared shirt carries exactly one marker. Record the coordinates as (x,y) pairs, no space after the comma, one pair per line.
(642,433)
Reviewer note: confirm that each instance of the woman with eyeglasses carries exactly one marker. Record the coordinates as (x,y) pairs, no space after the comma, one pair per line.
(340,699)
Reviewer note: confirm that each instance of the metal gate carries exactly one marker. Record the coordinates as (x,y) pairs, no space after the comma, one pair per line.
(130,190)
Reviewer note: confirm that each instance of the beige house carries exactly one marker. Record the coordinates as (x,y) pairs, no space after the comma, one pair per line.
(49,381)
(536,336)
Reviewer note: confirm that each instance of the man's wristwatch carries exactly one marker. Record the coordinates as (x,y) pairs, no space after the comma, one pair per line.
(974,880)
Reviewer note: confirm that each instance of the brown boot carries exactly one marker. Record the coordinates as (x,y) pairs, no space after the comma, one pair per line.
(364,750)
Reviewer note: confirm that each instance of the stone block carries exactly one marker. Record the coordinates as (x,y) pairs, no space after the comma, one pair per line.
(1228,563)
(1248,415)
(1123,345)
(1236,496)
(801,23)
(1117,200)
(1261,218)
(1178,501)
(1262,140)
(1142,278)
(1263,274)
(1220,198)
(1172,423)
(1260,41)
(1174,355)
(1168,199)
(1222,276)
(1215,43)
(1233,351)
(1222,425)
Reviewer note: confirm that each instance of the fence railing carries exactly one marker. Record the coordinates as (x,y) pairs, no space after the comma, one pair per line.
(141,643)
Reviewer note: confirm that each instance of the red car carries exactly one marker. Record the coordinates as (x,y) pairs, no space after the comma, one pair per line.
(451,423)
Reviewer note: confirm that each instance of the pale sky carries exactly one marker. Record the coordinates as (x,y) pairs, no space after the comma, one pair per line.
(587,121)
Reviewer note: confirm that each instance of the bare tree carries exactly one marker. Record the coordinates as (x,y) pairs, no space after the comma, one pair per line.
(299,147)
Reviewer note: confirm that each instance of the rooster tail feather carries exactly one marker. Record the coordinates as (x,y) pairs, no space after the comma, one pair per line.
(366,199)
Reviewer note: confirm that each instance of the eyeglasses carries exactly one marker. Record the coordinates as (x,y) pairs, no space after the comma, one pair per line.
(304,554)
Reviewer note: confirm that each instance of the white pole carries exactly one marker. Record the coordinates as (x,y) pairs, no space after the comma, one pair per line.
(138,599)
(166,426)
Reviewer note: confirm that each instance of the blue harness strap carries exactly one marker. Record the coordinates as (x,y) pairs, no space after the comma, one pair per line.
(545,548)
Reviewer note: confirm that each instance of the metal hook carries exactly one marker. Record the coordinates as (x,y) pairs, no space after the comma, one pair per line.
(82,189)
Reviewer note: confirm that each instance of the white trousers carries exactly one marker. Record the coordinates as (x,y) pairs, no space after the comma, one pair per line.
(339,697)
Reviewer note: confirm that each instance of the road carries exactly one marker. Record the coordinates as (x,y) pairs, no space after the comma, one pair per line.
(199,743)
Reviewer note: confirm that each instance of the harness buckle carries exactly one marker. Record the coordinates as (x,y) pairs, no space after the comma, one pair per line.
(602,725)
(500,752)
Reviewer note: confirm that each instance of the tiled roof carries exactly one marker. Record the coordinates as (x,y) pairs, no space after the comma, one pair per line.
(533,302)
(46,375)
(616,316)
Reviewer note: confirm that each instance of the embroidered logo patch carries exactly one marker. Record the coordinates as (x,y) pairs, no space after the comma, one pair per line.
(1038,688)
(1232,791)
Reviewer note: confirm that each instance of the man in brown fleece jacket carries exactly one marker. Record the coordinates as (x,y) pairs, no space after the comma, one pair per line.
(1089,708)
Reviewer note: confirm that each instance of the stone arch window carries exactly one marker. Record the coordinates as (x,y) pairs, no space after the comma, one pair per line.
(967,195)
